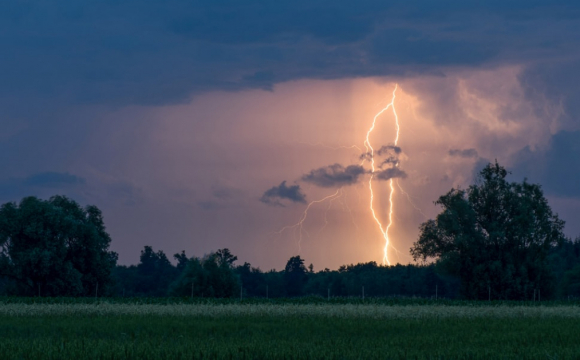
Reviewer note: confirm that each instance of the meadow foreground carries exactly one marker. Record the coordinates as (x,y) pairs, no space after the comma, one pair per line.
(109,330)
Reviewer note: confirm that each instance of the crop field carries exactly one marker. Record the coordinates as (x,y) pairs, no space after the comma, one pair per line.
(339,329)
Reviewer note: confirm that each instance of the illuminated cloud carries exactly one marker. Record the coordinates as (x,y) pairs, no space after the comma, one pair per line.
(273,195)
(334,175)
(390,173)
(391,150)
(464,153)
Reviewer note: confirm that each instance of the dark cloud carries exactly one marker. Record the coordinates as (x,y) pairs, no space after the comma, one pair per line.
(273,195)
(53,179)
(383,150)
(391,161)
(44,184)
(159,52)
(557,169)
(223,192)
(389,149)
(334,175)
(390,173)
(464,153)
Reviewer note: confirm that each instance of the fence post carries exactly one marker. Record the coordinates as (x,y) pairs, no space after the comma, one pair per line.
(436,290)
(97,291)
(328,294)
(241,293)
(489,292)
(192,290)
(266,292)
(363,293)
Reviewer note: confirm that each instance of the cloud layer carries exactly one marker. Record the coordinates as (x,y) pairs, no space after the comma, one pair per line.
(273,195)
(334,175)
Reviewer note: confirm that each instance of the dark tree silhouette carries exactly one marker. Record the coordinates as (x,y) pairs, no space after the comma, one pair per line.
(295,276)
(495,236)
(55,247)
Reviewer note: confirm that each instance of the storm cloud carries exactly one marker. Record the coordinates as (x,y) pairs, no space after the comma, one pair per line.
(273,195)
(464,153)
(334,175)
(94,89)
(391,150)
(390,173)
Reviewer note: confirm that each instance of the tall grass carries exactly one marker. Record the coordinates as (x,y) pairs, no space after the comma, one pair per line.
(70,329)
(354,311)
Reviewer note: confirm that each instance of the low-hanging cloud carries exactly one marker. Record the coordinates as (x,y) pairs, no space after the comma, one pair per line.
(391,150)
(390,173)
(334,175)
(464,153)
(273,195)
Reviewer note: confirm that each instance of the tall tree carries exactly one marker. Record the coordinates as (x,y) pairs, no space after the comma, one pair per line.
(495,236)
(155,273)
(295,276)
(55,247)
(212,276)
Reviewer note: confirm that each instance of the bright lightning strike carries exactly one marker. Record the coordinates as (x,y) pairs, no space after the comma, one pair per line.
(367,143)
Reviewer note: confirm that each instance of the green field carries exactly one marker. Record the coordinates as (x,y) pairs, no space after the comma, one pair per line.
(53,329)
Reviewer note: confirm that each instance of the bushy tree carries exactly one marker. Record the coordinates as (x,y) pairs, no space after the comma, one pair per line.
(54,247)
(155,273)
(211,276)
(495,236)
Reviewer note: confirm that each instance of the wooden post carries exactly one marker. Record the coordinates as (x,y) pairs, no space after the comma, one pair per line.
(436,289)
(328,294)
(534,295)
(192,290)
(266,291)
(539,295)
(363,293)
(241,293)
(489,292)
(97,291)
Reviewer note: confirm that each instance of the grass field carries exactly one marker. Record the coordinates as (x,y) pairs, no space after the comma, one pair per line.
(120,329)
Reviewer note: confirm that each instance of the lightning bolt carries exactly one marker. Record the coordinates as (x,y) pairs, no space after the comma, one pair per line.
(411,201)
(367,144)
(330,201)
(300,224)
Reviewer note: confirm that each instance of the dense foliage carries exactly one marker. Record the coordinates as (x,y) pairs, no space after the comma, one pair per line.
(495,236)
(54,248)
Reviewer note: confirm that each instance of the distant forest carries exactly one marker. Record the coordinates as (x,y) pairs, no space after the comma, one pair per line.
(496,240)
(212,276)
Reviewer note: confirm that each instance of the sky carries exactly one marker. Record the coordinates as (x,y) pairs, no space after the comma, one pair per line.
(200,125)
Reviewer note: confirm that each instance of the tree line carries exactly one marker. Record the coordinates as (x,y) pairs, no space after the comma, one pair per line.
(494,240)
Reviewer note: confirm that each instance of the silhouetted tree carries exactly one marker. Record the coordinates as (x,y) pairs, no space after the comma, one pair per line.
(212,276)
(155,273)
(295,276)
(182,260)
(54,247)
(495,235)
